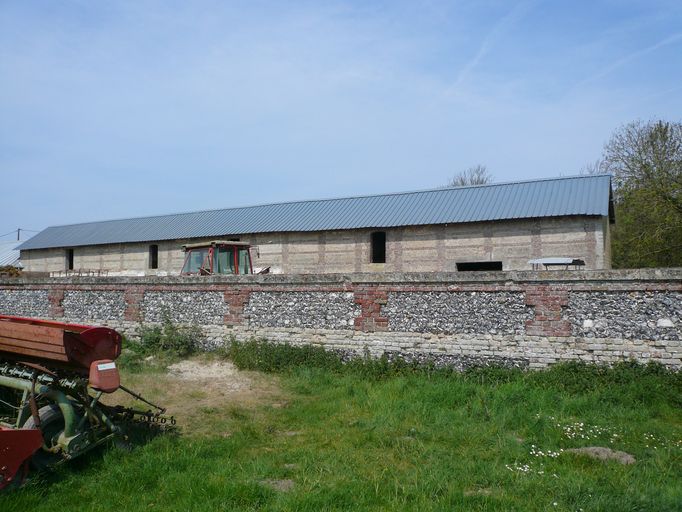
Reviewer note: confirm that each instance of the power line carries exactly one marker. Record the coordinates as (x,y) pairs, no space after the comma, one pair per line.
(18,232)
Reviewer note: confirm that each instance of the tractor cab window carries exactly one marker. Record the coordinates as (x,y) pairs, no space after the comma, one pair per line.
(194,260)
(224,260)
(244,261)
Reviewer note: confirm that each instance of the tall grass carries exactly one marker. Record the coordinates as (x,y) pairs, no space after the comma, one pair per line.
(630,380)
(387,435)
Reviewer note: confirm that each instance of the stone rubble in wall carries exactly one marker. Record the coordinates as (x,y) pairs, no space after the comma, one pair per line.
(627,315)
(320,310)
(457,312)
(517,350)
(93,305)
(207,308)
(460,351)
(457,362)
(33,303)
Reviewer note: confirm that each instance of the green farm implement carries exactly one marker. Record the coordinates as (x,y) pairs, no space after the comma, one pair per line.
(52,378)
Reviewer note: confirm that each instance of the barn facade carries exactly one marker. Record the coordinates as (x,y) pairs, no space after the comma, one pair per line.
(486,227)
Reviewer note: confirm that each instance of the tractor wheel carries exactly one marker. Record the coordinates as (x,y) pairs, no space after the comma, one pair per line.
(51,425)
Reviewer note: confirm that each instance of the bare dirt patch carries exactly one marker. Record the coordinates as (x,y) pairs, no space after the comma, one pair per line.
(279,485)
(478,492)
(203,394)
(603,453)
(222,373)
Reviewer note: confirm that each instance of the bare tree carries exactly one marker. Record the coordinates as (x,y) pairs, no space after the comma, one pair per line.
(596,167)
(648,156)
(476,175)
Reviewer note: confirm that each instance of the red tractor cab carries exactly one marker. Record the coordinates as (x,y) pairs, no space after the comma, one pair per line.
(217,258)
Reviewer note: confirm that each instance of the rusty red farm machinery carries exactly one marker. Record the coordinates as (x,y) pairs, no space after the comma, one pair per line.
(53,376)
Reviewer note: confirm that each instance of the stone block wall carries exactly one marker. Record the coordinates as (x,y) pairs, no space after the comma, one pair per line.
(529,319)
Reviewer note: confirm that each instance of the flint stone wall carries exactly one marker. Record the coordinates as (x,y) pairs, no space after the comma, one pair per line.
(524,319)
(184,307)
(629,315)
(312,310)
(458,312)
(24,303)
(95,305)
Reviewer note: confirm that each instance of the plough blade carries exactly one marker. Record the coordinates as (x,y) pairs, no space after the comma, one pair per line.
(16,448)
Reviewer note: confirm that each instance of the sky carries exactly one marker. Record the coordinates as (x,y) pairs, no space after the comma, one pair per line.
(123,109)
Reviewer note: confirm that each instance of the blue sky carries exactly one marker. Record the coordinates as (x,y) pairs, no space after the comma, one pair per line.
(130,108)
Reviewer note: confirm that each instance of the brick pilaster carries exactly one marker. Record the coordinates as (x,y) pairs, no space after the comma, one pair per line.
(236,300)
(55,298)
(133,299)
(548,303)
(371,299)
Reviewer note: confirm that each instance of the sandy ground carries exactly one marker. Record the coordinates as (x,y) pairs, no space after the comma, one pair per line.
(218,373)
(203,394)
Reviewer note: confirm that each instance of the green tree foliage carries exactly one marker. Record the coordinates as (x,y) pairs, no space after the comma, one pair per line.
(646,162)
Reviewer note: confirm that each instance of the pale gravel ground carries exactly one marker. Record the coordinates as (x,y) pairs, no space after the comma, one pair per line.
(223,373)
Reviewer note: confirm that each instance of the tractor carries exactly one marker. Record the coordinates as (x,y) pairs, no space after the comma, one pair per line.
(218,257)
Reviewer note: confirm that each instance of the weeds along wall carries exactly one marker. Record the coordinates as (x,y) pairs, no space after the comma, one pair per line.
(526,319)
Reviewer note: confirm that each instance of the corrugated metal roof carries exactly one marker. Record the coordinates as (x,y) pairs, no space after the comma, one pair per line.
(9,254)
(578,195)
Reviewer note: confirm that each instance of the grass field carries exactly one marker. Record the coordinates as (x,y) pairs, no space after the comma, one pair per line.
(322,438)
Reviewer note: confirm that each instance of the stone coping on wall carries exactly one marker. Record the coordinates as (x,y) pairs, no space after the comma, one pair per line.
(669,275)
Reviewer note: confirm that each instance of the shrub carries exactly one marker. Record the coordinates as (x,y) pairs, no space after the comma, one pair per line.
(180,340)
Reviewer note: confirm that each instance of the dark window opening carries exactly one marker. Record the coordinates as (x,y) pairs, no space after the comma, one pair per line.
(154,256)
(69,259)
(379,247)
(474,266)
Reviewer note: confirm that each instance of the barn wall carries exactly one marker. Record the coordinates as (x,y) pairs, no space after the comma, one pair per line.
(414,248)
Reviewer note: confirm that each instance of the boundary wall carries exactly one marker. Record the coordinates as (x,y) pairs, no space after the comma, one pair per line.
(526,319)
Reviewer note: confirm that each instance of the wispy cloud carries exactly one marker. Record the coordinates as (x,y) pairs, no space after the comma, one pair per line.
(490,40)
(606,70)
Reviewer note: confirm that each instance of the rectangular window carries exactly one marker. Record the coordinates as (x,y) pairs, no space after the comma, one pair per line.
(378,239)
(153,256)
(69,259)
(479,266)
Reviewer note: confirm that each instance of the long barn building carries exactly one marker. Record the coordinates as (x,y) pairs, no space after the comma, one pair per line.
(486,227)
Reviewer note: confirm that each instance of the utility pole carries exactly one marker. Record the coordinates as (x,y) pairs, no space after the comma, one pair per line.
(18,234)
